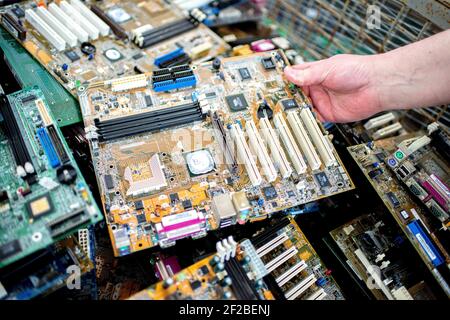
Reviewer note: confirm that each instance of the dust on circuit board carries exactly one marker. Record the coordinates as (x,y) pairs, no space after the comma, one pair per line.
(43,196)
(107,33)
(192,164)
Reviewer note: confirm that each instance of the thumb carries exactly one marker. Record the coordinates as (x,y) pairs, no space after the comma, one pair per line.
(312,75)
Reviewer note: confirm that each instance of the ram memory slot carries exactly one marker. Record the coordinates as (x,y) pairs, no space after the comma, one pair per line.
(18,144)
(165,32)
(243,287)
(149,121)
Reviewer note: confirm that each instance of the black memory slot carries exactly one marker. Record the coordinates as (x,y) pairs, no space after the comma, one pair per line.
(101,124)
(144,121)
(269,233)
(18,144)
(164,33)
(242,286)
(153,127)
(116,28)
(62,154)
(149,122)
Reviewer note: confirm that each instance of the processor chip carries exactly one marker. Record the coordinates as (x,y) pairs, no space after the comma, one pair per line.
(236,102)
(199,162)
(39,206)
(245,74)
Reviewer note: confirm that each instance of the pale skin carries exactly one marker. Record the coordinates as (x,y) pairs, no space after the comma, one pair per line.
(346,88)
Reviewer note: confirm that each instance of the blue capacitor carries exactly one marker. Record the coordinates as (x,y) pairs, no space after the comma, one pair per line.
(65,67)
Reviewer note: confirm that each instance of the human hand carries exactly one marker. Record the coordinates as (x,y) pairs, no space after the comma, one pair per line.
(342,88)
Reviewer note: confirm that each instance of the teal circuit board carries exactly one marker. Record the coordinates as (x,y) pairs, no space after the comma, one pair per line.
(43,196)
(29,72)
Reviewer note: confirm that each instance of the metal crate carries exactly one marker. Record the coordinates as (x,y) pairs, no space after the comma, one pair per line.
(319,29)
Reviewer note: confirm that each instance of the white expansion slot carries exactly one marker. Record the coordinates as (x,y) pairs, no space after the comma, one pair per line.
(45,30)
(245,156)
(303,139)
(67,21)
(276,152)
(80,19)
(301,287)
(258,147)
(322,144)
(57,26)
(294,153)
(92,17)
(318,295)
(128,83)
(272,244)
(290,273)
(282,258)
(379,121)
(386,131)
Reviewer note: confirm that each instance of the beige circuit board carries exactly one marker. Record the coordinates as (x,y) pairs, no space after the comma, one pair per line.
(282,265)
(201,166)
(115,55)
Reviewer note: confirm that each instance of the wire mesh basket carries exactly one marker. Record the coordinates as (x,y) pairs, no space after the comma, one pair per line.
(319,29)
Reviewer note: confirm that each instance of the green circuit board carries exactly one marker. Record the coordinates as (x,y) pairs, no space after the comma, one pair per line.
(43,196)
(29,72)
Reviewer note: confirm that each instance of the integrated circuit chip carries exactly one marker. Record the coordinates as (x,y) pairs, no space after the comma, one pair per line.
(139,205)
(270,193)
(268,63)
(9,249)
(40,206)
(109,183)
(245,74)
(322,178)
(237,102)
(289,104)
(72,55)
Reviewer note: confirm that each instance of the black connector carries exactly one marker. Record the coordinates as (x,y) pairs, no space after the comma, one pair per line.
(149,122)
(242,286)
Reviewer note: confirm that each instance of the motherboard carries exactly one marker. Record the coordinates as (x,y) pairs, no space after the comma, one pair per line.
(43,196)
(278,263)
(410,174)
(44,272)
(376,253)
(185,150)
(79,42)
